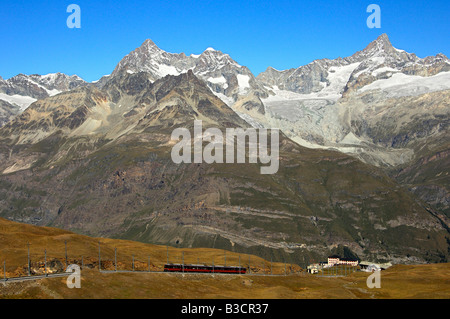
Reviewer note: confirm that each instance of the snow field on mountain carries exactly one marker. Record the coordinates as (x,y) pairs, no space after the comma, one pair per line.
(22,101)
(399,84)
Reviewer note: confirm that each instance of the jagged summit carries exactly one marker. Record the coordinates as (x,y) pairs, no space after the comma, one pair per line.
(334,77)
(150,46)
(383,39)
(225,77)
(149,43)
(381,45)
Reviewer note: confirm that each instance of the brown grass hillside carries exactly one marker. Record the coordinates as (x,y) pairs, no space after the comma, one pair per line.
(400,281)
(14,238)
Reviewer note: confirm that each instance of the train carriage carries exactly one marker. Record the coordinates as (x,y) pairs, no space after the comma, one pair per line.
(204,269)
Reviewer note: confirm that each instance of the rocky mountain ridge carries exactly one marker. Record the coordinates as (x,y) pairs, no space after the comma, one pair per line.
(379,60)
(20,91)
(224,76)
(98,161)
(94,158)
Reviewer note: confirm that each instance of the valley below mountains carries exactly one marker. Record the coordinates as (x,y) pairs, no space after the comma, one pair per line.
(364,155)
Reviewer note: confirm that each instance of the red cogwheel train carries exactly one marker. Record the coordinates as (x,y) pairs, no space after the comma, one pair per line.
(204,269)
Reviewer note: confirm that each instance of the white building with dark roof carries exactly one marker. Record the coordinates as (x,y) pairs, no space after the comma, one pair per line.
(336,260)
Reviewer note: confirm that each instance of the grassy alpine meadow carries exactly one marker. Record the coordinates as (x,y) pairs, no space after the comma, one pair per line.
(427,281)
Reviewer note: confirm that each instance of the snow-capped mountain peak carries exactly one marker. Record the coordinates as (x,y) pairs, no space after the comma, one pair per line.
(378,60)
(214,60)
(216,68)
(381,46)
(19,91)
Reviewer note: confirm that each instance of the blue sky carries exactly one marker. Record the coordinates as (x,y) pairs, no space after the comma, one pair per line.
(34,36)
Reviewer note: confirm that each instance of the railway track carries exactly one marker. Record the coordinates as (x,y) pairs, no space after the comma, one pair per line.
(37,277)
(58,275)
